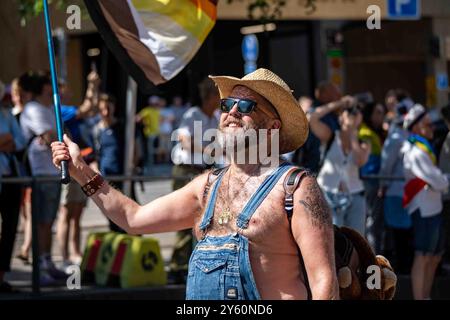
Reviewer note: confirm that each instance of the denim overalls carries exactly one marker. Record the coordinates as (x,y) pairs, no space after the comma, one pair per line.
(219,267)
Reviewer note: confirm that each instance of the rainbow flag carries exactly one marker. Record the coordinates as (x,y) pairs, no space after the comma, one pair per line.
(424,145)
(153,39)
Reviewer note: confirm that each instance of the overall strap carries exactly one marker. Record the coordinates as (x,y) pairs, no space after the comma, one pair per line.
(209,212)
(212,176)
(260,194)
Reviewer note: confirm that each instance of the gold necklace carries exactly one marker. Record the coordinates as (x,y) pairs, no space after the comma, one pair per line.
(226,214)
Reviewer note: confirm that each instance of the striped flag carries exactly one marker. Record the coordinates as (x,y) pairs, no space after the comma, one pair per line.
(414,186)
(411,189)
(153,39)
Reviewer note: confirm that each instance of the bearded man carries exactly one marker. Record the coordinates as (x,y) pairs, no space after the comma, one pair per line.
(248,246)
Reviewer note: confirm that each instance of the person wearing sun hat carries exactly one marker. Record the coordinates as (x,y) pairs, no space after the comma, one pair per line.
(248,247)
(294,128)
(424,185)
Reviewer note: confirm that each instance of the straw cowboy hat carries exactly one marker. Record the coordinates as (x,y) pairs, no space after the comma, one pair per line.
(294,125)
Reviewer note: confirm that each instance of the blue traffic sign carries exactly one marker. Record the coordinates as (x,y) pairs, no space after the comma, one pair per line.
(249,67)
(404,9)
(250,48)
(442,81)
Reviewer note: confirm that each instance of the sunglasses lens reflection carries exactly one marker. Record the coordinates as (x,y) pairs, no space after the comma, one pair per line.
(226,105)
(245,106)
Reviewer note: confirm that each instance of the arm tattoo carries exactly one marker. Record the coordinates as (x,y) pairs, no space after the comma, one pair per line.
(317,207)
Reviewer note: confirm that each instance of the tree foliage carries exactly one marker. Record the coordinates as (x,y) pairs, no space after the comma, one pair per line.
(263,10)
(29,9)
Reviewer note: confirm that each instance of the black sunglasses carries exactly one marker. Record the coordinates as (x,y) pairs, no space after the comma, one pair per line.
(245,106)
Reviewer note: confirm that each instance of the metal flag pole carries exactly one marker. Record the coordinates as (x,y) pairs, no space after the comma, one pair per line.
(65,177)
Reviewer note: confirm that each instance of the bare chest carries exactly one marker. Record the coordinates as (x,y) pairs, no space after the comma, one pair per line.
(267,221)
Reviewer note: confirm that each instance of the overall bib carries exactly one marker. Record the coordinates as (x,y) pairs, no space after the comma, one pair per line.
(219,268)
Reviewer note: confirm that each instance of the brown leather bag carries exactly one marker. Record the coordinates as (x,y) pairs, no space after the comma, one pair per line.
(354,258)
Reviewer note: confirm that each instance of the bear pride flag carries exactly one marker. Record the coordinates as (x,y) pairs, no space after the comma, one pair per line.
(153,39)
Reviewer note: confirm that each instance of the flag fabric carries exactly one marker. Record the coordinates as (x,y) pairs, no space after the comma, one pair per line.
(153,39)
(414,186)
(424,145)
(411,189)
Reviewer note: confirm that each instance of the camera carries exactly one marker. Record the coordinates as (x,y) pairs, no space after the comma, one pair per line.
(360,100)
(354,109)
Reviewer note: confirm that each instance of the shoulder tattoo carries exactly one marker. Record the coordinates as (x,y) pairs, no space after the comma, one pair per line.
(314,203)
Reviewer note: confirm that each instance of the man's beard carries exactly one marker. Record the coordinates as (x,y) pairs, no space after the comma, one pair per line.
(238,139)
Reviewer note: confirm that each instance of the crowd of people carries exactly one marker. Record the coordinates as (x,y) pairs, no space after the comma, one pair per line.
(362,153)
(27,128)
(382,167)
(156,122)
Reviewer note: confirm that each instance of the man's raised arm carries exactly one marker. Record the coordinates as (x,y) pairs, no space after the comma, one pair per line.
(175,211)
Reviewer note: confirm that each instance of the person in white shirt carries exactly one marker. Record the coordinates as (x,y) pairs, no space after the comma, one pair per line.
(38,125)
(424,185)
(339,174)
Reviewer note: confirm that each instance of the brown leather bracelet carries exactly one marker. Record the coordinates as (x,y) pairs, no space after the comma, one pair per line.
(93,185)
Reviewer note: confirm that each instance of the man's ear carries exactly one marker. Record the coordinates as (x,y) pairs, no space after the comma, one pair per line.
(276,124)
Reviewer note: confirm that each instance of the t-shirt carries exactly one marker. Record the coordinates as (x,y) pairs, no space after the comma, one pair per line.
(178,113)
(392,160)
(72,124)
(8,124)
(339,170)
(309,155)
(418,164)
(370,136)
(167,117)
(35,120)
(332,121)
(109,145)
(86,128)
(187,125)
(150,120)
